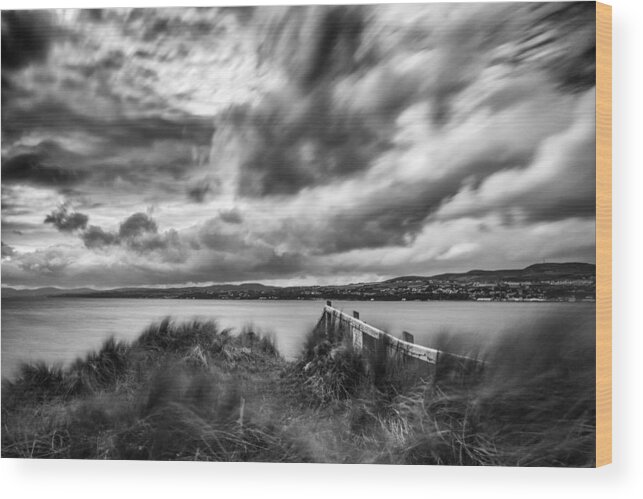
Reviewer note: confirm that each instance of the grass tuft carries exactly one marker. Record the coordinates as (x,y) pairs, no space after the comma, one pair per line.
(161,397)
(192,391)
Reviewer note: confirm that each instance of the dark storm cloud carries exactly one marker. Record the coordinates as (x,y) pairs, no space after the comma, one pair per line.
(307,137)
(167,247)
(138,233)
(559,183)
(333,45)
(56,116)
(300,138)
(145,152)
(198,193)
(18,228)
(159,23)
(47,164)
(316,44)
(136,225)
(572,194)
(244,14)
(7,250)
(231,216)
(66,221)
(223,252)
(26,37)
(111,61)
(566,31)
(561,208)
(314,147)
(11,208)
(335,140)
(47,268)
(396,216)
(96,237)
(215,236)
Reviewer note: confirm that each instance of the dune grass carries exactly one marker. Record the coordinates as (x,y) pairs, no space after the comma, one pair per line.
(532,404)
(171,394)
(193,391)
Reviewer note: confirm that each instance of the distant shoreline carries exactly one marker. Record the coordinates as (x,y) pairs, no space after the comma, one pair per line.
(396,300)
(550,282)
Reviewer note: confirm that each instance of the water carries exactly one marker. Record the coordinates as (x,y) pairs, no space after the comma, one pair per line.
(60,329)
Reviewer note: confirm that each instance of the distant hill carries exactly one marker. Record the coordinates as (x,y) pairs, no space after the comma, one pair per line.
(254,290)
(9,292)
(536,272)
(50,291)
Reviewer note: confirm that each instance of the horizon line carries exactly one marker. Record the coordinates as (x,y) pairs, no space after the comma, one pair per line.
(239,283)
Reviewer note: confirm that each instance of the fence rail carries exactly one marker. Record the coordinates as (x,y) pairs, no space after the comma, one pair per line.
(424,359)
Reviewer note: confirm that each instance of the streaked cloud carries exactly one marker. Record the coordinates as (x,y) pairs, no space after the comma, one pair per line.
(297,144)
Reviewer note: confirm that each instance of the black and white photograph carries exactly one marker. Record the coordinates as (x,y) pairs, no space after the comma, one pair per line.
(301,234)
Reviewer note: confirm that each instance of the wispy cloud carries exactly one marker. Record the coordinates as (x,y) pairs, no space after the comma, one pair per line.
(299,143)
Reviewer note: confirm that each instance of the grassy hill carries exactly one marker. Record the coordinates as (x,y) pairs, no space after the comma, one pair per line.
(192,391)
(536,272)
(533,273)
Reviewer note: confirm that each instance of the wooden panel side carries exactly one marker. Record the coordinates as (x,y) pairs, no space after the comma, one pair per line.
(603,234)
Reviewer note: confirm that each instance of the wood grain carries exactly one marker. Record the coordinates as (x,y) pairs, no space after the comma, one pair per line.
(603,234)
(419,352)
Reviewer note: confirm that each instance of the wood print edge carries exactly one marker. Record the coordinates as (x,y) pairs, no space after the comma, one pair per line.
(603,234)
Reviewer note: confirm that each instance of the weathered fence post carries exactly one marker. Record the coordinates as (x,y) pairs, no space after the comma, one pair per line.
(408,337)
(356,333)
(327,319)
(425,361)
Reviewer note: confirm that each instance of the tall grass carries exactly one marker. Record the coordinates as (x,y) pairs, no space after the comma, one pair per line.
(200,417)
(531,405)
(195,343)
(160,397)
(193,391)
(98,370)
(330,368)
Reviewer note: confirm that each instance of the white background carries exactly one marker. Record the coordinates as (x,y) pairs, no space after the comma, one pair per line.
(624,478)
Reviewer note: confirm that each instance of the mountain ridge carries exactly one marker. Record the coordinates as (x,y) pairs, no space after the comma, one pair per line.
(534,272)
(541,270)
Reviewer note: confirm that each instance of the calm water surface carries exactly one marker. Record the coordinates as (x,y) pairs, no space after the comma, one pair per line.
(60,329)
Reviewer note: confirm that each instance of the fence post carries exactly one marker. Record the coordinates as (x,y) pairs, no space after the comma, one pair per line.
(356,333)
(408,337)
(326,321)
(426,361)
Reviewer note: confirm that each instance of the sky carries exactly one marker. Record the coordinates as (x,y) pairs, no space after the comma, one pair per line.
(295,145)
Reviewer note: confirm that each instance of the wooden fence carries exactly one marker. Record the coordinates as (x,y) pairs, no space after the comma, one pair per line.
(422,360)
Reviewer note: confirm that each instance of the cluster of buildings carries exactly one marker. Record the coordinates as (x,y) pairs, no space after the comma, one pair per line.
(563,290)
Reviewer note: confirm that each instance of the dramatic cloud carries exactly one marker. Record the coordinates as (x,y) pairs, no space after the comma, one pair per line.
(66,221)
(95,237)
(45,164)
(231,216)
(136,225)
(198,192)
(295,144)
(26,36)
(7,250)
(138,232)
(298,137)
